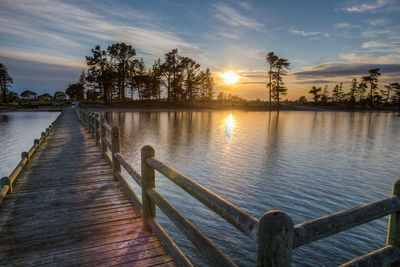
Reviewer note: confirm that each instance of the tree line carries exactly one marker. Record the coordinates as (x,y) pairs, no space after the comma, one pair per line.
(116,75)
(364,92)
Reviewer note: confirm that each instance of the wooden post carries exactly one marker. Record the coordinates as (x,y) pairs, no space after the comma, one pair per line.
(92,124)
(275,239)
(96,129)
(148,181)
(43,135)
(6,181)
(36,143)
(25,155)
(393,235)
(116,166)
(103,133)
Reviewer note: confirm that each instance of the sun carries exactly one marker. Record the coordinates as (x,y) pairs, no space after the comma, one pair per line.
(230,77)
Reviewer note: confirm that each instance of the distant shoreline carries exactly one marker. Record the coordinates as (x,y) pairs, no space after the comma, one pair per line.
(97,108)
(167,108)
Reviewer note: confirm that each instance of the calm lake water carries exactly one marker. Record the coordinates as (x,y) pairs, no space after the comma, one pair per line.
(17,132)
(308,164)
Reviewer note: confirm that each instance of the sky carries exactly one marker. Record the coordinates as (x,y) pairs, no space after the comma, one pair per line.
(43,43)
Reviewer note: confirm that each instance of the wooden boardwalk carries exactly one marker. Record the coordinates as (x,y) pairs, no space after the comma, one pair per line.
(67,210)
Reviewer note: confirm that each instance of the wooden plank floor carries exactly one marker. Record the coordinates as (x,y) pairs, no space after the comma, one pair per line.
(66,210)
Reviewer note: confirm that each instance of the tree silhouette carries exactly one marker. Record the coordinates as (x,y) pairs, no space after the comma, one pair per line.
(372,79)
(337,93)
(281,67)
(271,59)
(99,74)
(5,82)
(75,91)
(206,85)
(353,91)
(386,92)
(361,89)
(121,56)
(316,92)
(171,71)
(28,94)
(325,95)
(396,89)
(191,69)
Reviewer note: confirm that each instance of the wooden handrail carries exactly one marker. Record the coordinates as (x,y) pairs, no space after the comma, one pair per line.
(237,217)
(319,228)
(379,257)
(275,233)
(132,172)
(25,158)
(214,255)
(106,142)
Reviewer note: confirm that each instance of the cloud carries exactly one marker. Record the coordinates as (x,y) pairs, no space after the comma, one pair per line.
(379,22)
(316,81)
(67,26)
(375,33)
(43,58)
(309,34)
(366,58)
(40,77)
(345,25)
(231,17)
(339,69)
(375,6)
(366,7)
(375,44)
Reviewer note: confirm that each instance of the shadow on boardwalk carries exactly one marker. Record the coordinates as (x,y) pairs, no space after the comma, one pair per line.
(67,210)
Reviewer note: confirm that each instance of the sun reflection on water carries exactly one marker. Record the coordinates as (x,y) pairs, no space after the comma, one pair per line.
(228,126)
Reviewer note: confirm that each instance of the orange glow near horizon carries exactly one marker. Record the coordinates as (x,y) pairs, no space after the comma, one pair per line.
(229,77)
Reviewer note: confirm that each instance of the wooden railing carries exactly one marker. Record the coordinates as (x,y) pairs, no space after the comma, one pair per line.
(6,183)
(275,233)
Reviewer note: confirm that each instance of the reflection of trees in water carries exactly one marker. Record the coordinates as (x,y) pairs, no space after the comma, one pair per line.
(4,118)
(184,128)
(273,141)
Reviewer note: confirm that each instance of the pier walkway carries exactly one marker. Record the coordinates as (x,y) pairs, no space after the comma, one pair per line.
(67,210)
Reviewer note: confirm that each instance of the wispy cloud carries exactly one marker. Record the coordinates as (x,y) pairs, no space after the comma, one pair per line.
(367,58)
(366,6)
(43,58)
(343,71)
(373,6)
(308,34)
(232,17)
(379,22)
(45,20)
(345,25)
(379,44)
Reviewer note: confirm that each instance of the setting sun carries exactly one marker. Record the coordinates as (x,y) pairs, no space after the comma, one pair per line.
(230,77)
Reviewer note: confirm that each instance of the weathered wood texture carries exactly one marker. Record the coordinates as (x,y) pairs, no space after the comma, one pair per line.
(322,227)
(380,257)
(67,210)
(275,239)
(235,216)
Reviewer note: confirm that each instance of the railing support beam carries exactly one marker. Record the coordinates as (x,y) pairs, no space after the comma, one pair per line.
(103,146)
(96,129)
(148,181)
(275,239)
(116,166)
(393,236)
